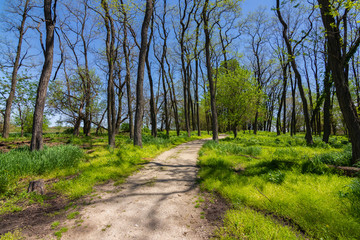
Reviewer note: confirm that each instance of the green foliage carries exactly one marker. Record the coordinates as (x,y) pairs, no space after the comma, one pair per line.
(28,122)
(286,182)
(125,127)
(238,95)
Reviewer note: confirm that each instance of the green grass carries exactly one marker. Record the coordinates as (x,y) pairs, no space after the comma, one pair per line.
(59,233)
(283,179)
(76,172)
(55,224)
(15,235)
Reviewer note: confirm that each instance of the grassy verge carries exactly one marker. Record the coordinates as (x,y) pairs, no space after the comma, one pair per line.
(75,170)
(282,189)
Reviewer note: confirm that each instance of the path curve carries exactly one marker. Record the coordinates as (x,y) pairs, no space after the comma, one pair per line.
(158,202)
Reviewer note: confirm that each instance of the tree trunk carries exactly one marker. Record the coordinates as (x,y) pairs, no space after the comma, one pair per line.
(163,72)
(6,127)
(327,102)
(37,138)
(140,75)
(209,72)
(337,64)
(153,109)
(128,71)
(308,135)
(111,57)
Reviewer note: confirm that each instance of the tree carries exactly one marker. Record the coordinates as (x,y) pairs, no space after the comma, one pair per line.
(237,95)
(126,50)
(21,31)
(140,75)
(290,50)
(78,32)
(338,62)
(111,59)
(50,20)
(205,16)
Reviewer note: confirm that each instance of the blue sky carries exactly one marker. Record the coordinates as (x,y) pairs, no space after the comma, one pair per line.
(251,5)
(247,5)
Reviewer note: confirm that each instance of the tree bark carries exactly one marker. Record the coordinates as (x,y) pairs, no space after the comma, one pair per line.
(128,71)
(214,118)
(338,65)
(111,58)
(327,102)
(9,100)
(308,135)
(153,110)
(140,75)
(37,139)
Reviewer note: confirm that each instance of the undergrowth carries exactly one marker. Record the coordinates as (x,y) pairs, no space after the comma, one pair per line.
(282,188)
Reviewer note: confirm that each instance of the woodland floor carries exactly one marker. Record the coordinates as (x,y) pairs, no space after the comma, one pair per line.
(161,201)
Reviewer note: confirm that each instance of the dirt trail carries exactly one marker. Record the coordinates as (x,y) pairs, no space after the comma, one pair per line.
(156,203)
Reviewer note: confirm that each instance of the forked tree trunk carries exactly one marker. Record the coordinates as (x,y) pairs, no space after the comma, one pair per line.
(37,138)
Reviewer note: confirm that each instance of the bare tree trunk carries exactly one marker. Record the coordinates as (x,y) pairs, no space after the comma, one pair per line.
(153,110)
(173,97)
(163,72)
(308,135)
(293,113)
(215,127)
(111,58)
(140,77)
(327,102)
(127,65)
(22,30)
(338,64)
(37,139)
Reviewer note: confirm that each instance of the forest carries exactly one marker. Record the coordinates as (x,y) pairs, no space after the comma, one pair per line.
(92,91)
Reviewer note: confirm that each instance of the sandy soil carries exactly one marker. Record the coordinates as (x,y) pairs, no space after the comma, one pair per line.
(158,202)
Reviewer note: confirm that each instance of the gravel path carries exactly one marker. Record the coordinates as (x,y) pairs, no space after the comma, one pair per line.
(158,202)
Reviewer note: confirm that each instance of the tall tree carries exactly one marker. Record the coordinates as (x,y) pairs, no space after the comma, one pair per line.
(140,74)
(338,63)
(111,59)
(205,16)
(50,20)
(126,50)
(21,31)
(290,50)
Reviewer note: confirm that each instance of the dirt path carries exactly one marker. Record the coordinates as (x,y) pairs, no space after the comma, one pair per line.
(156,203)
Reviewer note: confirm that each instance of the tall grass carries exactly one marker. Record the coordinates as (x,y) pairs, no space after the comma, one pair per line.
(287,181)
(23,162)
